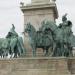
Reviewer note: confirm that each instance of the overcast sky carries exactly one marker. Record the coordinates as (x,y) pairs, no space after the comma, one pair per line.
(10,13)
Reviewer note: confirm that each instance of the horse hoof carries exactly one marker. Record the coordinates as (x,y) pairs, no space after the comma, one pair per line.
(46,55)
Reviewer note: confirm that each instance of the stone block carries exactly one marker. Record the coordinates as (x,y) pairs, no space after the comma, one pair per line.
(37,66)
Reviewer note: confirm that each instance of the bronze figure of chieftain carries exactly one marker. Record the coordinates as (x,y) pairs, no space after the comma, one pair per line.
(58,38)
(12,44)
(15,43)
(63,39)
(39,39)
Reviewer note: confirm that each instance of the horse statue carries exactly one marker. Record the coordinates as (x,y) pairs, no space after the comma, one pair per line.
(15,43)
(4,47)
(12,44)
(62,36)
(39,39)
(17,47)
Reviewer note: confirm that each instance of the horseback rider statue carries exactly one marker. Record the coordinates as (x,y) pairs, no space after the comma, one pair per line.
(66,26)
(16,43)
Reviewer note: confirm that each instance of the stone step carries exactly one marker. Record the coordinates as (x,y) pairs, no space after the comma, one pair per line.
(37,66)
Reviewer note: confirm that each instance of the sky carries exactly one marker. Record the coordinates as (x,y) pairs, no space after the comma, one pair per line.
(10,13)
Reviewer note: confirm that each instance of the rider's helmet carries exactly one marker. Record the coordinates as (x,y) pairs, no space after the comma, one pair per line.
(64,18)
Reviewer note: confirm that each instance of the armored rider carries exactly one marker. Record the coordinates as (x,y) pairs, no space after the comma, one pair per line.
(66,26)
(12,32)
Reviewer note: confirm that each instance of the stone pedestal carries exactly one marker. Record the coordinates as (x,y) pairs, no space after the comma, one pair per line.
(40,1)
(35,13)
(38,66)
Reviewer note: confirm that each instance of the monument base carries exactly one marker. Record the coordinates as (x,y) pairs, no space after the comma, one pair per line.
(37,66)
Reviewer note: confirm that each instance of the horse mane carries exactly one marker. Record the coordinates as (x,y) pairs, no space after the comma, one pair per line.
(33,32)
(33,28)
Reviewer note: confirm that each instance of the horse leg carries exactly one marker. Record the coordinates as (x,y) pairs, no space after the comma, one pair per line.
(5,53)
(10,52)
(51,51)
(11,55)
(46,53)
(56,50)
(1,53)
(15,55)
(34,51)
(44,50)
